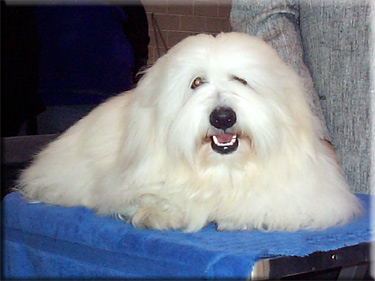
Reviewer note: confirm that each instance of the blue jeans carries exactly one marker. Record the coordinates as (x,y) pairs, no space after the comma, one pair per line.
(56,119)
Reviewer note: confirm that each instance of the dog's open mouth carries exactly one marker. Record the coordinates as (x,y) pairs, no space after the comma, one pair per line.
(224,143)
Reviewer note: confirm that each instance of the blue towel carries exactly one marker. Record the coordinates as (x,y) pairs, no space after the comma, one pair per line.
(43,241)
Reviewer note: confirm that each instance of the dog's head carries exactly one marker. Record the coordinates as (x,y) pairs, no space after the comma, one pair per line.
(224,99)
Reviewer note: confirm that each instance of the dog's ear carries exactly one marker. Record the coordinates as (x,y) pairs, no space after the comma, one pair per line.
(145,88)
(151,84)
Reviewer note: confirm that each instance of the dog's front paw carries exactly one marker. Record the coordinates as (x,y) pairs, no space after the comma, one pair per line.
(153,218)
(230,226)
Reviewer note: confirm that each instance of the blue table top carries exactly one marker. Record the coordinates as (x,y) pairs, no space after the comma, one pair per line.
(57,242)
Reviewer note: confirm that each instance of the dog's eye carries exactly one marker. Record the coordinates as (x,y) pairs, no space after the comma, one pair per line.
(197,82)
(242,81)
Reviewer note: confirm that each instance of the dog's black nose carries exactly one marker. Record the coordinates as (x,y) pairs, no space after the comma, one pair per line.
(223,118)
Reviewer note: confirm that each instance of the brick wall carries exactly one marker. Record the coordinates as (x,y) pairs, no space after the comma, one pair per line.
(179,19)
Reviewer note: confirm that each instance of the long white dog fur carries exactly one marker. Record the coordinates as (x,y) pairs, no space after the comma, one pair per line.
(153,156)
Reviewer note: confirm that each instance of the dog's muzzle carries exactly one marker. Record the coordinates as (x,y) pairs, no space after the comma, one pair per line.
(223,118)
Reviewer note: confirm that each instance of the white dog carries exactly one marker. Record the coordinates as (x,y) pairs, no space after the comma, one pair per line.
(218,130)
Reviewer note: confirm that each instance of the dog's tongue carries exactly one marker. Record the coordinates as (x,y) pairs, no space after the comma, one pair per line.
(224,138)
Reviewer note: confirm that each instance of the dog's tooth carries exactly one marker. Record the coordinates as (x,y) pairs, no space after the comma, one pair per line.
(215,140)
